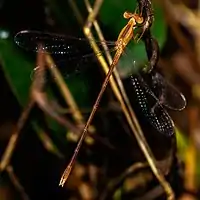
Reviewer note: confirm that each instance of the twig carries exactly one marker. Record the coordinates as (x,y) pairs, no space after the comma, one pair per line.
(65,91)
(92,15)
(15,135)
(16,183)
(40,96)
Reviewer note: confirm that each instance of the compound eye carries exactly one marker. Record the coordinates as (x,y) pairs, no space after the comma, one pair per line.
(128,15)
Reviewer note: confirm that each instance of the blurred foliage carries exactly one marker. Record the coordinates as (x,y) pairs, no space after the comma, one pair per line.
(17,69)
(18,65)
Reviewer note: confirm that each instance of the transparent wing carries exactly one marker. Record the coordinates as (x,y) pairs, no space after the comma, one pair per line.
(69,67)
(55,44)
(148,106)
(166,93)
(71,54)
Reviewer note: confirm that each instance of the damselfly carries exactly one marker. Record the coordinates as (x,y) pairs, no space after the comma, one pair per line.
(153,86)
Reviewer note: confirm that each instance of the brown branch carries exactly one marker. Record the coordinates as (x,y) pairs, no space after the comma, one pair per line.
(15,135)
(16,183)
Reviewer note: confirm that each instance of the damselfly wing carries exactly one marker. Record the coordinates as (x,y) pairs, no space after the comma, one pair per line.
(148,105)
(165,92)
(71,54)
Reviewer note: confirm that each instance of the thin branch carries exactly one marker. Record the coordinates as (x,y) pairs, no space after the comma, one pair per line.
(15,135)
(16,183)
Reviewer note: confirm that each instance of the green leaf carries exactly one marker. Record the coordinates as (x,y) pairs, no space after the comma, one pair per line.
(111,14)
(17,70)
